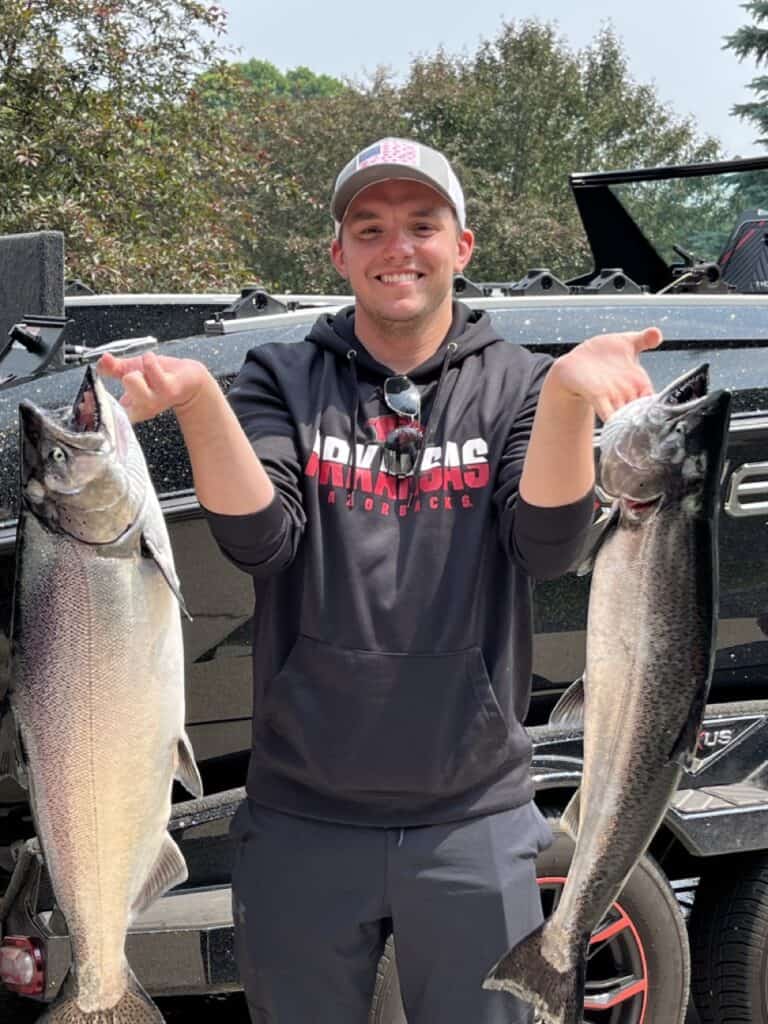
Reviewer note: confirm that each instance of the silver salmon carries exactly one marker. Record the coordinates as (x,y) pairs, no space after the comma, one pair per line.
(650,652)
(97,690)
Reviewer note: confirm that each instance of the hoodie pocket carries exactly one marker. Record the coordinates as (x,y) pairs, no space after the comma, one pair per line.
(365,722)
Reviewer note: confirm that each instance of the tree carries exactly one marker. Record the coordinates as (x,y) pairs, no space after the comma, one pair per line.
(752,41)
(519,115)
(515,118)
(168,167)
(104,136)
(265,80)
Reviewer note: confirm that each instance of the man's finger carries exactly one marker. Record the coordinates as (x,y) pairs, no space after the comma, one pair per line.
(137,389)
(109,366)
(156,376)
(651,337)
(604,409)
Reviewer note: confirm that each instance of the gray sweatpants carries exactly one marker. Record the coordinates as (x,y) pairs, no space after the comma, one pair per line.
(314,903)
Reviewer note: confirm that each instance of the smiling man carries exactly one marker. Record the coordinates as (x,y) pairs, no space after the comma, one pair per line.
(392,484)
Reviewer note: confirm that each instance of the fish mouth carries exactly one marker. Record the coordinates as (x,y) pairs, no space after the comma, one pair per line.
(79,427)
(688,389)
(638,509)
(690,394)
(86,415)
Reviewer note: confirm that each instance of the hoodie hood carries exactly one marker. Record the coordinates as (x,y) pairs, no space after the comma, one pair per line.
(471,330)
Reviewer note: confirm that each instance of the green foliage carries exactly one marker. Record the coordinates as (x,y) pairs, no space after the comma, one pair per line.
(514,118)
(223,90)
(521,114)
(168,167)
(752,41)
(105,136)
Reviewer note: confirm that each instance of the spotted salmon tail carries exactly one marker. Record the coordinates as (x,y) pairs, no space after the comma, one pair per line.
(556,995)
(135,1007)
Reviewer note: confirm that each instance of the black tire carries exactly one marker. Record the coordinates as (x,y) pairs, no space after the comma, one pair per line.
(662,944)
(16,1010)
(729,942)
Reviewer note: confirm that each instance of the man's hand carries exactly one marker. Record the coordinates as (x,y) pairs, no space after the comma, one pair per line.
(605,371)
(597,376)
(152,383)
(229,478)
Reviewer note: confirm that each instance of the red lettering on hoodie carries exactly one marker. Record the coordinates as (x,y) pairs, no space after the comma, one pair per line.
(477,476)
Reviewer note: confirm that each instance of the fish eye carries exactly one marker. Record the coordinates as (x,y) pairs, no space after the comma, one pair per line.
(58,455)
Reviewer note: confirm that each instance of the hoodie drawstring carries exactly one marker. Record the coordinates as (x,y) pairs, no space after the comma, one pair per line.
(413,488)
(352,460)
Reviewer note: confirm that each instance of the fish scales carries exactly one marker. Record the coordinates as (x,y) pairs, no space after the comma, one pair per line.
(632,769)
(650,653)
(92,820)
(97,691)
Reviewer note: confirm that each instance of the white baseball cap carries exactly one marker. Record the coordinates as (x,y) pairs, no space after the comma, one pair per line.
(390,159)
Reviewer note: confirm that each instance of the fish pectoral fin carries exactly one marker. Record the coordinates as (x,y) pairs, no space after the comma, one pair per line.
(186,771)
(151,548)
(569,710)
(570,819)
(597,534)
(11,750)
(169,869)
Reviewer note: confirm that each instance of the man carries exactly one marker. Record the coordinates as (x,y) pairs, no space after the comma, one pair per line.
(392,484)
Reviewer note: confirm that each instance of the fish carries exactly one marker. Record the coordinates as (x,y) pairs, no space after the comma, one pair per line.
(651,635)
(96,699)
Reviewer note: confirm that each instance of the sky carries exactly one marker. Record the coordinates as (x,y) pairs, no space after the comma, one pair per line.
(676,45)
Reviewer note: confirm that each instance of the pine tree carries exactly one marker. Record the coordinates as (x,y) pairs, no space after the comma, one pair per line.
(752,41)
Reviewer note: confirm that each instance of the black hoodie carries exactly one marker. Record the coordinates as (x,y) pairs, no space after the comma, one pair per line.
(392,625)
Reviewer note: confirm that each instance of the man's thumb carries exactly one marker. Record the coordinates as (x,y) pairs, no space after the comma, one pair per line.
(651,337)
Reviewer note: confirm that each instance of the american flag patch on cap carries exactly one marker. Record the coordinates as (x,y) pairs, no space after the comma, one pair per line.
(389,151)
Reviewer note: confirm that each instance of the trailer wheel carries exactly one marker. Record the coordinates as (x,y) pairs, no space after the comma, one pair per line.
(639,965)
(729,941)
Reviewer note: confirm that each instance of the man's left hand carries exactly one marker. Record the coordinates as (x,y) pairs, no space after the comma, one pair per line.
(605,371)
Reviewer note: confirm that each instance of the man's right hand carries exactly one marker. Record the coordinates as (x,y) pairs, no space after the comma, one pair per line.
(152,383)
(229,478)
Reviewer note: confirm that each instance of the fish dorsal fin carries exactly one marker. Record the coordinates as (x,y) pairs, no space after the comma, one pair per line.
(186,770)
(570,818)
(569,710)
(168,870)
(597,535)
(155,549)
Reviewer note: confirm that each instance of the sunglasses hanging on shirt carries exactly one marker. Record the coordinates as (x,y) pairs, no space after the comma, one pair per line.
(402,445)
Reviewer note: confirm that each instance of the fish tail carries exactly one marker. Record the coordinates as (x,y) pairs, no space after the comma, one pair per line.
(134,1007)
(556,993)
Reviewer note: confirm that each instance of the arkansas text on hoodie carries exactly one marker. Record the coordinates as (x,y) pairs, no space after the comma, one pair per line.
(392,624)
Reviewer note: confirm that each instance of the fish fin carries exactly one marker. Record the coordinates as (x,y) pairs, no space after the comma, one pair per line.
(570,819)
(157,551)
(135,1007)
(569,710)
(186,771)
(684,747)
(169,869)
(597,534)
(11,750)
(557,995)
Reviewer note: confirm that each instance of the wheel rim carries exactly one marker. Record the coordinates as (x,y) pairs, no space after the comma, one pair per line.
(617,969)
